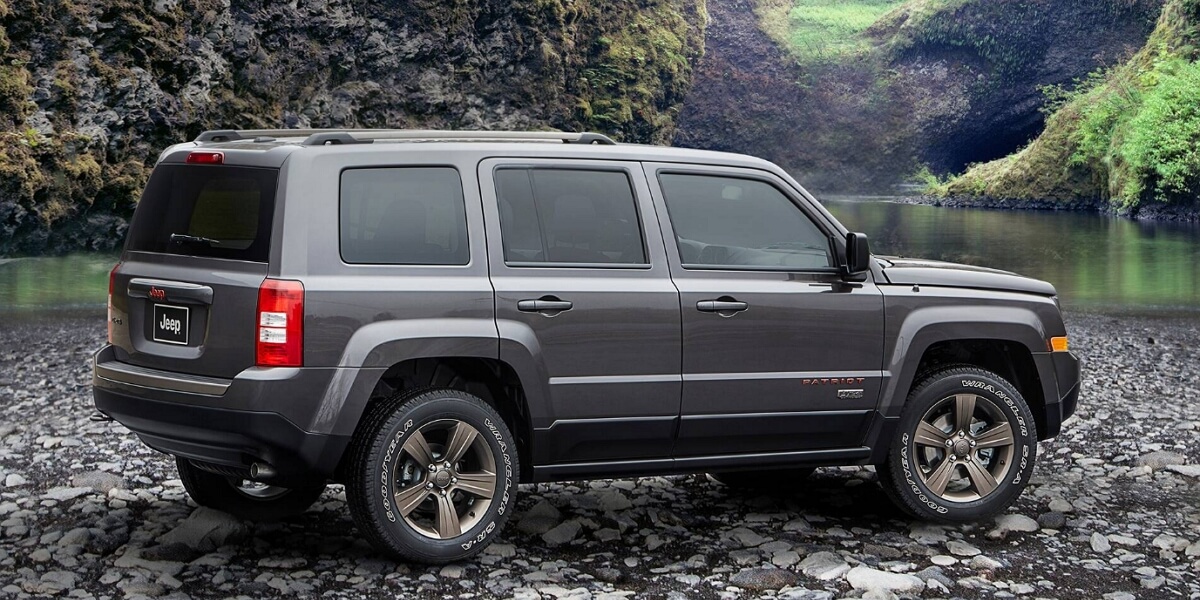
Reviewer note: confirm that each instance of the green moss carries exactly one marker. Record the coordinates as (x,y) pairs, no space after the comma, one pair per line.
(1129,135)
(822,30)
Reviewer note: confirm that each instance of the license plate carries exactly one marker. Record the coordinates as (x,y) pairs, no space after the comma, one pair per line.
(171,324)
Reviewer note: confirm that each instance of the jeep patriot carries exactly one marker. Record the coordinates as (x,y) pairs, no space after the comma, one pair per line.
(431,318)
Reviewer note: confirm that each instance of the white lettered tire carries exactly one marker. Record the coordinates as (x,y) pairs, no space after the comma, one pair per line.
(432,476)
(965,447)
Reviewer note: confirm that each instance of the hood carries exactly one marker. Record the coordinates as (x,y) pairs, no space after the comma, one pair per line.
(915,271)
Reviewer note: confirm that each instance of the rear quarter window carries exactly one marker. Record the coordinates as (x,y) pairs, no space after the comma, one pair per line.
(403,216)
(209,211)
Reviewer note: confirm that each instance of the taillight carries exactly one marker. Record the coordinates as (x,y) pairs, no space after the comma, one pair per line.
(280,324)
(203,157)
(112,277)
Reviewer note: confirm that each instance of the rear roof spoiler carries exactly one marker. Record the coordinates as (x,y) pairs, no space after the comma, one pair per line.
(326,137)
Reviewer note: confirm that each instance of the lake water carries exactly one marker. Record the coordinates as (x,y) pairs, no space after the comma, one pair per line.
(1098,263)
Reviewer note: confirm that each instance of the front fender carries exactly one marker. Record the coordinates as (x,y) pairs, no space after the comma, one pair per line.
(923,327)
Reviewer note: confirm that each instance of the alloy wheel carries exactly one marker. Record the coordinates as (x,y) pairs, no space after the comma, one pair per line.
(963,447)
(445,479)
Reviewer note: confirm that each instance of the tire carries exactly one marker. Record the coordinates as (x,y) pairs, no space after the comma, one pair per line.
(402,506)
(983,469)
(765,479)
(244,499)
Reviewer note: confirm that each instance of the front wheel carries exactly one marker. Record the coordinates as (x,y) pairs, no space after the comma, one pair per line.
(243,498)
(965,447)
(432,476)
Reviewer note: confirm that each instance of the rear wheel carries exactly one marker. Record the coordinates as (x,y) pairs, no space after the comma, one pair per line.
(766,479)
(965,448)
(243,498)
(432,476)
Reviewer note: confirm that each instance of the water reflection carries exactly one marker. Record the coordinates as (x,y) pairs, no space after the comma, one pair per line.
(1093,260)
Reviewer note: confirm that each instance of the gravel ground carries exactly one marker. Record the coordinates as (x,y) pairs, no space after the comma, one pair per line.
(1113,512)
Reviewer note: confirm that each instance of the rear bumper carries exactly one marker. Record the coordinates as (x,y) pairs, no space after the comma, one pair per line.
(167,413)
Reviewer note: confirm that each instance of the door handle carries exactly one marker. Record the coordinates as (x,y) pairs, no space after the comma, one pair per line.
(547,305)
(725,308)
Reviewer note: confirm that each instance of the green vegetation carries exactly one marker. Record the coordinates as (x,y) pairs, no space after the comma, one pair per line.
(822,29)
(1129,135)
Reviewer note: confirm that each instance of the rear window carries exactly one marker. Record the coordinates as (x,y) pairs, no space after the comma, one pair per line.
(210,211)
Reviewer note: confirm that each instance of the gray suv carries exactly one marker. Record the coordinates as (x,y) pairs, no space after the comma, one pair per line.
(432,318)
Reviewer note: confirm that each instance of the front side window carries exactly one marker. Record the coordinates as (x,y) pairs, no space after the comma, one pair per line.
(726,222)
(403,216)
(563,216)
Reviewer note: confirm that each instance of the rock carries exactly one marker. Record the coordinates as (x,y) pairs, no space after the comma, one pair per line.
(1100,543)
(609,574)
(1008,523)
(100,481)
(205,530)
(1159,459)
(63,494)
(866,578)
(942,560)
(745,537)
(785,559)
(1052,520)
(540,519)
(451,572)
(1060,505)
(1185,470)
(14,480)
(562,533)
(614,501)
(75,537)
(825,566)
(501,550)
(758,580)
(804,594)
(983,563)
(960,548)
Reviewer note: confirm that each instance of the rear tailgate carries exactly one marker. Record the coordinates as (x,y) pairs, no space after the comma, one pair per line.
(185,296)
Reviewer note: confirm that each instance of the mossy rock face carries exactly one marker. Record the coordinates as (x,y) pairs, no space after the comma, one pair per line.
(934,83)
(91,92)
(1126,136)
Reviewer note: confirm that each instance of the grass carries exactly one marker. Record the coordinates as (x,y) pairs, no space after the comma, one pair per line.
(822,30)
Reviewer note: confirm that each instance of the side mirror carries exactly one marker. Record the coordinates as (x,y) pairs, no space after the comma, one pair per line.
(858,254)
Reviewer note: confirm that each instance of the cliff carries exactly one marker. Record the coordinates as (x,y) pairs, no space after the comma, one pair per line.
(91,91)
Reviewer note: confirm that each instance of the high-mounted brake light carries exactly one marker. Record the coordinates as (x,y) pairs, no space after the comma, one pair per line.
(204,157)
(279,324)
(112,276)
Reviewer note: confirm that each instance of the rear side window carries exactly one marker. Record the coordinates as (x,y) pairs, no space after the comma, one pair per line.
(210,211)
(403,216)
(581,216)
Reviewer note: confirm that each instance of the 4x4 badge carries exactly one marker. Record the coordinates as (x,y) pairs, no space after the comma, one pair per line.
(850,394)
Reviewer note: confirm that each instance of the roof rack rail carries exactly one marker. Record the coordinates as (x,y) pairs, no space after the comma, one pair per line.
(323,137)
(366,136)
(233,135)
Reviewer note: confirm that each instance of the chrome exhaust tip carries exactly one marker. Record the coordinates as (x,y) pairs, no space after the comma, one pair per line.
(262,471)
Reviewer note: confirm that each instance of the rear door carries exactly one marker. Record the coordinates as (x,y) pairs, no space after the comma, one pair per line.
(186,293)
(780,353)
(580,274)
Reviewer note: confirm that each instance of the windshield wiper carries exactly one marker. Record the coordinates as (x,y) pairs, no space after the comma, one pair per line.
(182,238)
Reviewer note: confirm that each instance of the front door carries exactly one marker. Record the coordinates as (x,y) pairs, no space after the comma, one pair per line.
(583,291)
(780,352)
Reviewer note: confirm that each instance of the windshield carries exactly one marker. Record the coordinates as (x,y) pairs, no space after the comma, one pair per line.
(203,210)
